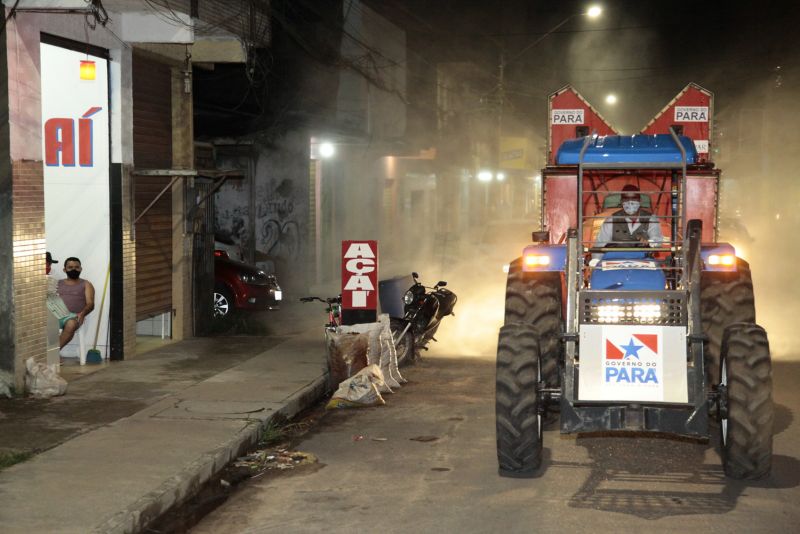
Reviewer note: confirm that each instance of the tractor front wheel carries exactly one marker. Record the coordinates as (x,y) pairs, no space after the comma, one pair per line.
(535,299)
(725,298)
(746,412)
(517,401)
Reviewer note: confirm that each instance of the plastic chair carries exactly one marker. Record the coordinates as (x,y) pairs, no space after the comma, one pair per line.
(81,343)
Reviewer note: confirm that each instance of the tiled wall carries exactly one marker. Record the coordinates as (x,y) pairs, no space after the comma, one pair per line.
(129,268)
(30,284)
(155,326)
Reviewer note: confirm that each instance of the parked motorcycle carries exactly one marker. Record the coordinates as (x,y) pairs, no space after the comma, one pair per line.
(424,308)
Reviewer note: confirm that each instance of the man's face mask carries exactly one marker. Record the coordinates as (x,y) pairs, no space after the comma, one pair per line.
(631,206)
(74,274)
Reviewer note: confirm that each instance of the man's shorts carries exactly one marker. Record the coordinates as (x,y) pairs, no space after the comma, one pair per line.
(63,321)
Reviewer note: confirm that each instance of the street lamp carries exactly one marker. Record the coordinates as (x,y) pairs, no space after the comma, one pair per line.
(611,99)
(593,12)
(485,176)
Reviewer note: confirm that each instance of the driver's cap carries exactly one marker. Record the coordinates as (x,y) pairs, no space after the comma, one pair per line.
(630,192)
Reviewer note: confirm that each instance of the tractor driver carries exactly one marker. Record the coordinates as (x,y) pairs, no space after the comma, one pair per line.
(631,224)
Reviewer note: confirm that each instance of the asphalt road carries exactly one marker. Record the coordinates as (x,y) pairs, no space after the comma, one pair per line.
(589,484)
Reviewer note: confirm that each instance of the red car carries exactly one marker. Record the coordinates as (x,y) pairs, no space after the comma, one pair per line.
(242,287)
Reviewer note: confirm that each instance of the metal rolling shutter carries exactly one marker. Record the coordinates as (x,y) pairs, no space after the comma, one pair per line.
(152,149)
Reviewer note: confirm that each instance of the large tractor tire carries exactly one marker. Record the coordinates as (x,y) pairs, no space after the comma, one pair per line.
(518,419)
(746,411)
(725,299)
(535,299)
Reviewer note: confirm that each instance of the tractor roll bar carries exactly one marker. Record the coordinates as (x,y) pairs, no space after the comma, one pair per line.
(626,165)
(683,178)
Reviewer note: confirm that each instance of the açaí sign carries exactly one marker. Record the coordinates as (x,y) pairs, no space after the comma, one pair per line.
(360,275)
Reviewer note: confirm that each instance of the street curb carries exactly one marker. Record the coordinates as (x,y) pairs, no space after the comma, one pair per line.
(185,484)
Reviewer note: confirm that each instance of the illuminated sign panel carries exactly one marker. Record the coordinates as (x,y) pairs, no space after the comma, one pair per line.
(359,275)
(75,150)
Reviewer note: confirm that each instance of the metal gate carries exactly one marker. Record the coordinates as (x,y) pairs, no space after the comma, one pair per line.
(200,220)
(152,149)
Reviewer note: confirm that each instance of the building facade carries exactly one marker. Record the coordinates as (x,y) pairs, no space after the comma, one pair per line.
(101,165)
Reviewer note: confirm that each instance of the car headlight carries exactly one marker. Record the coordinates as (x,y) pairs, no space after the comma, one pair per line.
(408,298)
(255,279)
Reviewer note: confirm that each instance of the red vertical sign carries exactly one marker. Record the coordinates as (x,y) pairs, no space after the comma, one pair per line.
(691,113)
(360,275)
(571,116)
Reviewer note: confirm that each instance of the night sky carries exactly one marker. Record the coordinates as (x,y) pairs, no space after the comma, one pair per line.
(642,51)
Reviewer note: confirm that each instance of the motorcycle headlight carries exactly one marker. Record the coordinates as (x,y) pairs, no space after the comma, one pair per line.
(408,298)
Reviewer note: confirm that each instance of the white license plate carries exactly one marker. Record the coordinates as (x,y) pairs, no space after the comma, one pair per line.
(278,295)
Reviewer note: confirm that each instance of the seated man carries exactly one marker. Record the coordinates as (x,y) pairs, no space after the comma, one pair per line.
(55,303)
(78,295)
(631,224)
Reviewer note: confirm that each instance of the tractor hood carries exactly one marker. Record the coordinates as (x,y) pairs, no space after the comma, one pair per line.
(644,149)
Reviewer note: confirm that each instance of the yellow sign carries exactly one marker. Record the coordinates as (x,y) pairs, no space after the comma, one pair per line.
(514,153)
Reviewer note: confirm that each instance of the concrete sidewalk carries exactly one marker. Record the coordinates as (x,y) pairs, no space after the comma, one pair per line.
(120,476)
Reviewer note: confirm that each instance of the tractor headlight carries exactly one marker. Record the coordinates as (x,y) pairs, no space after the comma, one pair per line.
(408,298)
(610,313)
(726,260)
(537,260)
(647,312)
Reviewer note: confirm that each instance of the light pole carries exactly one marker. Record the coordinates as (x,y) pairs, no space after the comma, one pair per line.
(592,12)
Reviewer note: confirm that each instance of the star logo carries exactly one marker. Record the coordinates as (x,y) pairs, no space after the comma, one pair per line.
(631,349)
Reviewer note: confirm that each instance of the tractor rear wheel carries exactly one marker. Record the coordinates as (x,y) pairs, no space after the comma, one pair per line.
(746,412)
(535,299)
(725,298)
(518,418)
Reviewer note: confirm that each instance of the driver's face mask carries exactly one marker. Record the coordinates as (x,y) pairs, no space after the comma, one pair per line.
(631,206)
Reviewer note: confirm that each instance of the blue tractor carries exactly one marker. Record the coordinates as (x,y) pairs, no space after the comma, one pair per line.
(650,333)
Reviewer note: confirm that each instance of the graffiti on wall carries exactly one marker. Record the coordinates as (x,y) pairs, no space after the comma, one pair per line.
(272,217)
(232,213)
(279,229)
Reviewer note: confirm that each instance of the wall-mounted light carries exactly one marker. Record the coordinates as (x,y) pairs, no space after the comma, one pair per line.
(87,70)
(501,176)
(326,150)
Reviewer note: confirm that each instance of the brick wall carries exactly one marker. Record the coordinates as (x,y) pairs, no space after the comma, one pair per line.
(30,284)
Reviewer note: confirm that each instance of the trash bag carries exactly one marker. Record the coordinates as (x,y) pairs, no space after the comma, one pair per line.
(42,380)
(347,355)
(359,391)
(389,364)
(6,381)
(380,351)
